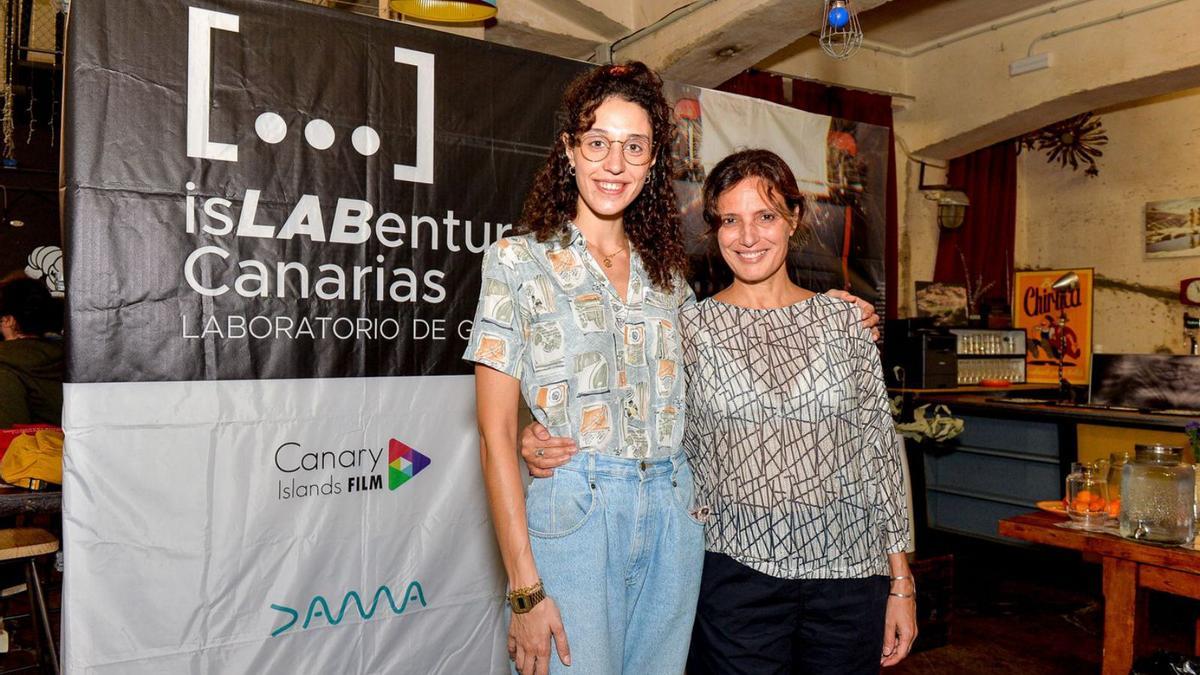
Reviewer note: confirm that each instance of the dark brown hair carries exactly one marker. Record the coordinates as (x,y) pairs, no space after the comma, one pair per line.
(30,304)
(783,194)
(652,220)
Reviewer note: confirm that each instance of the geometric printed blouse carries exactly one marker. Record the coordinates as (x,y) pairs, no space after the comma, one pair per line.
(595,367)
(791,439)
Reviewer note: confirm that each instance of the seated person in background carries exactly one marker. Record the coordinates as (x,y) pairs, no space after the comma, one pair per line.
(31,365)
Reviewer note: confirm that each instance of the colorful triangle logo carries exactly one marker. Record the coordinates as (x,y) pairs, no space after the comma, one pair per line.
(403,463)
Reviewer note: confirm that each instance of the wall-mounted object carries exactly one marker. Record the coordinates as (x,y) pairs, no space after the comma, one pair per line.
(1030,64)
(952,202)
(841,34)
(1189,291)
(1172,228)
(1073,141)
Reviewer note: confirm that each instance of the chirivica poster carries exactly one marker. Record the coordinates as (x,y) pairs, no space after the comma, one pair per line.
(1057,323)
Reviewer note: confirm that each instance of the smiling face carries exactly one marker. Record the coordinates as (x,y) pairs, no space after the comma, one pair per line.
(607,186)
(753,233)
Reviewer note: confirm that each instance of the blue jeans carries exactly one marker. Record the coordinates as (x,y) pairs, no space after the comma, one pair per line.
(619,551)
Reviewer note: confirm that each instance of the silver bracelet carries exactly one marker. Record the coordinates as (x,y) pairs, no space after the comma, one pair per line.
(905,578)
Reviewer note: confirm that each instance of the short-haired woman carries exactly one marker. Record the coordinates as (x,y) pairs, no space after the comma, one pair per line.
(790,434)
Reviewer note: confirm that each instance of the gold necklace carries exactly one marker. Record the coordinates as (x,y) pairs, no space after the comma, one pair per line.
(608,258)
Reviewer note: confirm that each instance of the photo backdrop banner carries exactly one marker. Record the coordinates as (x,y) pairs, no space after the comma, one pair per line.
(274,216)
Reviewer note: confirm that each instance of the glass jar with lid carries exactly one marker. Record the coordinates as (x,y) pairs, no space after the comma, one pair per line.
(1087,494)
(1158,496)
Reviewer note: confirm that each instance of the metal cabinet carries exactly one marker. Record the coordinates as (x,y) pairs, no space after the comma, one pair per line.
(998,468)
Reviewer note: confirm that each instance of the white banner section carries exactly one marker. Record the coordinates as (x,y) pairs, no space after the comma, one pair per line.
(218,527)
(733,123)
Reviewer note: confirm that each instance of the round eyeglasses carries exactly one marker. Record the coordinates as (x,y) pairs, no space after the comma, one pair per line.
(635,149)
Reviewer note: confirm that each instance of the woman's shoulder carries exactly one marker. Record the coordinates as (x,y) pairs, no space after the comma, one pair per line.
(838,316)
(831,309)
(512,251)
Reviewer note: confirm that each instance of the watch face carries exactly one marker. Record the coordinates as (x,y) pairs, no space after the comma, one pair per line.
(1191,291)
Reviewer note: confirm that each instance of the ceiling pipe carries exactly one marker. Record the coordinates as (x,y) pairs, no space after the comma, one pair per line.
(967,33)
(1108,19)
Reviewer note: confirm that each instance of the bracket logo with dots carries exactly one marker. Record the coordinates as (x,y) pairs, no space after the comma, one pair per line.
(271,127)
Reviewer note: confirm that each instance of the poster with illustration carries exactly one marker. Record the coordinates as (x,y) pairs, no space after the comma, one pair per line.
(1057,324)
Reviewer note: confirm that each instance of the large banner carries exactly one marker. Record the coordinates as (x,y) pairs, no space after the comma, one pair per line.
(274,217)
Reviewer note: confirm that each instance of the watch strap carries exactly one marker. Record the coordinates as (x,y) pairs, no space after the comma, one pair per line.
(522,600)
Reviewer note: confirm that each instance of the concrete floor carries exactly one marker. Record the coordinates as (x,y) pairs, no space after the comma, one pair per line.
(1033,611)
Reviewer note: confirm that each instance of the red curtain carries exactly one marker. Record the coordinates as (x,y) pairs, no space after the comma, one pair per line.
(756,85)
(983,247)
(857,106)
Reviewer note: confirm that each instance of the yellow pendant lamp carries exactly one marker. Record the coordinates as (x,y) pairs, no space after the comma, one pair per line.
(449,11)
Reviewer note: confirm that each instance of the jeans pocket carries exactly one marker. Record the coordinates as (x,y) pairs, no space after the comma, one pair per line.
(683,486)
(560,505)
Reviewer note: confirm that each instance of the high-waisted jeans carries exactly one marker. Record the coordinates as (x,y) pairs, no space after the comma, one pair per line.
(620,552)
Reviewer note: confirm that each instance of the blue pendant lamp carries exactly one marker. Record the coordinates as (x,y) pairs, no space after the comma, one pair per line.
(841,33)
(449,11)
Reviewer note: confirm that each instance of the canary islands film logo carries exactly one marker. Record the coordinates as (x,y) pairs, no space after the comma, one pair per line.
(324,473)
(403,463)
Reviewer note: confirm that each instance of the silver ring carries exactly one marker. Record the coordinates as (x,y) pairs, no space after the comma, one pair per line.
(540,452)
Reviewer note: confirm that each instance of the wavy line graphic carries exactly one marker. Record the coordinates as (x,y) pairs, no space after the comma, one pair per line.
(319,607)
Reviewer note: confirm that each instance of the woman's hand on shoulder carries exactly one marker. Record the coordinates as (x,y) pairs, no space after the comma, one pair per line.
(544,453)
(870,318)
(529,637)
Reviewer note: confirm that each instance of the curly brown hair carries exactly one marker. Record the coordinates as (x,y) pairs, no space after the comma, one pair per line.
(652,221)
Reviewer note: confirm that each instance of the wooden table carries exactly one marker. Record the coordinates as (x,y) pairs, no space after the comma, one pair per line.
(16,501)
(1129,567)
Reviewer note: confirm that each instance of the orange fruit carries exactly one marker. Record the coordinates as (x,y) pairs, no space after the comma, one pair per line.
(1097,504)
(1114,508)
(1084,496)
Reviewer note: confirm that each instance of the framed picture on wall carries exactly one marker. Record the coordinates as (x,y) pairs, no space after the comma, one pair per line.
(1173,228)
(1057,323)
(946,303)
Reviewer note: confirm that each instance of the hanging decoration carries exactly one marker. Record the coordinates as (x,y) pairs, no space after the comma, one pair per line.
(446,11)
(9,56)
(841,34)
(1072,141)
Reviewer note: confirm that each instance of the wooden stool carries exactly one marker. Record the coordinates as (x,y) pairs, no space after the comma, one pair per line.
(28,543)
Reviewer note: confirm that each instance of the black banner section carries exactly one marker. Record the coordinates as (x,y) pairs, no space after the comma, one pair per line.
(274,190)
(261,189)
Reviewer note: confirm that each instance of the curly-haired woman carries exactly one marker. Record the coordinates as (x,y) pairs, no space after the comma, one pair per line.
(579,314)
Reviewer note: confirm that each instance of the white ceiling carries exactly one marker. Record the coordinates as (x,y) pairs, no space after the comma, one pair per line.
(907,23)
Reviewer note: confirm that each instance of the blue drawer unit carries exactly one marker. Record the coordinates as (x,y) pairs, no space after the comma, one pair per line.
(997,469)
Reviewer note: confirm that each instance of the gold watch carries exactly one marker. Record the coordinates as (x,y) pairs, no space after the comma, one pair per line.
(524,599)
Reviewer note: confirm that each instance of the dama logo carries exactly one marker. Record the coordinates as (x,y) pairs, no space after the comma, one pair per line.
(403,463)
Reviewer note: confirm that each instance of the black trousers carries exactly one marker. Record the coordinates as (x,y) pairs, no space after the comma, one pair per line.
(753,623)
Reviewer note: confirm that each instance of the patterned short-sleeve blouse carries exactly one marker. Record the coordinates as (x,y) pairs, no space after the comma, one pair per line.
(791,439)
(593,366)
